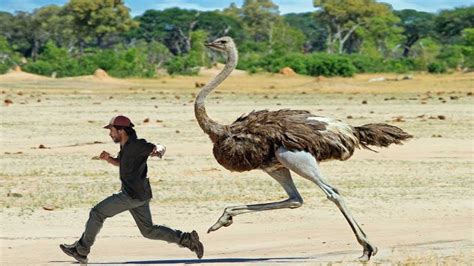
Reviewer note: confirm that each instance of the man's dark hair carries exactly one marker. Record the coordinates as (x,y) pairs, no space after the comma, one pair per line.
(129,130)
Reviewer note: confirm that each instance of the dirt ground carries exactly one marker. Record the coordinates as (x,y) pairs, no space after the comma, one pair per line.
(415,201)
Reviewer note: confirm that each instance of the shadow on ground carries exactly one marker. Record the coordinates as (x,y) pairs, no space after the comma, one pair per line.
(203,261)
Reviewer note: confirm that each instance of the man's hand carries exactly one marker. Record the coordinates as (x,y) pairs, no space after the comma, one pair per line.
(105,156)
(158,151)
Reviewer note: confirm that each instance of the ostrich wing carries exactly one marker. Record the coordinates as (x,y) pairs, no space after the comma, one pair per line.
(323,137)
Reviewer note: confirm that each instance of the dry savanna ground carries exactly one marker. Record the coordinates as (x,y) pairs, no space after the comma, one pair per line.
(415,201)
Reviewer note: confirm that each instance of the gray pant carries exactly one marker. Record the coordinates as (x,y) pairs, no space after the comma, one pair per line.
(118,203)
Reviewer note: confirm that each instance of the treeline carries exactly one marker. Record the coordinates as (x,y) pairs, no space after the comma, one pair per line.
(337,38)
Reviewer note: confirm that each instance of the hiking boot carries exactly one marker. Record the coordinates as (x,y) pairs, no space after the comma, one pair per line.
(71,250)
(191,241)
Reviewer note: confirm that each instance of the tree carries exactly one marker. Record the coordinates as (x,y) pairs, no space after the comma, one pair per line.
(314,31)
(218,25)
(157,53)
(99,19)
(287,39)
(233,11)
(6,25)
(344,17)
(468,49)
(8,57)
(50,23)
(380,38)
(20,31)
(259,17)
(56,25)
(16,31)
(198,50)
(173,27)
(416,25)
(450,24)
(426,50)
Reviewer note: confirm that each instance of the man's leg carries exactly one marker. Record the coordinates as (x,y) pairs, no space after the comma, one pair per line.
(142,216)
(109,207)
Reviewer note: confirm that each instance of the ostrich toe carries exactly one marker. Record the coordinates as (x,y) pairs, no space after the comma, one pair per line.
(369,251)
(224,220)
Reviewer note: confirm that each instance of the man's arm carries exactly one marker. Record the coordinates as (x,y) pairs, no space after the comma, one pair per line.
(150,149)
(106,157)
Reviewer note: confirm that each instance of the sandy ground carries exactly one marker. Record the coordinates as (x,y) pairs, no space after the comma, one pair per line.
(415,201)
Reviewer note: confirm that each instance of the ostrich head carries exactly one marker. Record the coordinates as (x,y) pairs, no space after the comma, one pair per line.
(223,44)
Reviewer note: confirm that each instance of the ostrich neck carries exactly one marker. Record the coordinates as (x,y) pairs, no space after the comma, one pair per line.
(209,126)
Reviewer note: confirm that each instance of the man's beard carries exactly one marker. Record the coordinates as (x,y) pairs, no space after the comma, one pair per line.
(116,140)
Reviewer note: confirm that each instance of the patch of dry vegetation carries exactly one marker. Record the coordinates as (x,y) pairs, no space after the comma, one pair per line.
(429,176)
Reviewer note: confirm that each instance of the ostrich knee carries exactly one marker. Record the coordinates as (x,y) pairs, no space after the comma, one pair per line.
(229,211)
(334,197)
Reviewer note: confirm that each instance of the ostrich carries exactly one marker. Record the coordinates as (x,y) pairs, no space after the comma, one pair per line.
(281,141)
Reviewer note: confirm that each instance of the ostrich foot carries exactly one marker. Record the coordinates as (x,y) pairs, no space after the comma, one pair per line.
(224,220)
(369,251)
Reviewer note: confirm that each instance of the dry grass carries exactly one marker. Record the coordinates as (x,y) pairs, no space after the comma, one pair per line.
(429,177)
(69,117)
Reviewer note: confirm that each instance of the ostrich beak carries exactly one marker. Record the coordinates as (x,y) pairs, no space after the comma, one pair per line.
(210,45)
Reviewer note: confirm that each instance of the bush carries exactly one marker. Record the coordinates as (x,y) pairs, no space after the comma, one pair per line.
(104,59)
(314,64)
(40,67)
(367,64)
(118,63)
(401,65)
(436,68)
(468,53)
(329,66)
(451,55)
(8,57)
(183,65)
(4,68)
(132,63)
(251,62)
(298,62)
(55,60)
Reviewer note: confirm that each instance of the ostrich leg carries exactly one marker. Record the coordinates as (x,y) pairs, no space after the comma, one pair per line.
(305,165)
(283,176)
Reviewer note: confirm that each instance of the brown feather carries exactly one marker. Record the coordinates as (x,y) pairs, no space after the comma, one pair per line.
(251,141)
(380,135)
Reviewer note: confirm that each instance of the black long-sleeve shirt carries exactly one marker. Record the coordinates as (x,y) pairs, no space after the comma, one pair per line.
(133,168)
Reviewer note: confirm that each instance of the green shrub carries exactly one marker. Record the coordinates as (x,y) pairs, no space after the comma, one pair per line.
(314,64)
(468,53)
(40,67)
(253,47)
(118,63)
(251,62)
(367,64)
(296,61)
(132,63)
(104,59)
(4,68)
(451,55)
(8,57)
(436,67)
(329,65)
(55,60)
(183,65)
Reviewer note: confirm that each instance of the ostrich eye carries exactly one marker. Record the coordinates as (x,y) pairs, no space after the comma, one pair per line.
(223,42)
